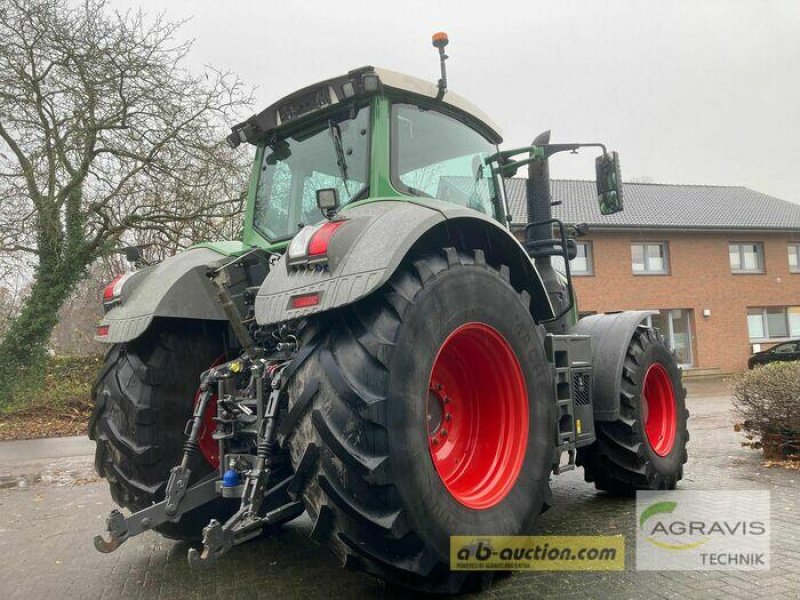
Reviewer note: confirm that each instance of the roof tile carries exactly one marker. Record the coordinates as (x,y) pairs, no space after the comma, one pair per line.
(669,206)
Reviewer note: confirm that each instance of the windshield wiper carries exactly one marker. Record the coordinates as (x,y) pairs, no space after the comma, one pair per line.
(280,152)
(336,136)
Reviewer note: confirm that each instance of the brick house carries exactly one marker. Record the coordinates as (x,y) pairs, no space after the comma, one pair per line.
(721,264)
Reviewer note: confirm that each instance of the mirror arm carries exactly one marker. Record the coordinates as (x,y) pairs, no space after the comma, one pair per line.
(504,155)
(550,149)
(536,152)
(505,168)
(542,150)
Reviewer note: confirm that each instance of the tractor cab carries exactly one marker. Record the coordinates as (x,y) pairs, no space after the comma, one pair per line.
(372,134)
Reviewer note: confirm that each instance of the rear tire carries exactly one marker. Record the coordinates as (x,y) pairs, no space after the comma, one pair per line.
(645,449)
(358,431)
(143,398)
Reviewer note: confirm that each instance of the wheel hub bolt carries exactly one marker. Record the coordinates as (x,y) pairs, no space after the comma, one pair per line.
(444,432)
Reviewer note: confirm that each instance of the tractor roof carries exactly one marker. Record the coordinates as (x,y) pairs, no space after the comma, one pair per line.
(421,87)
(358,82)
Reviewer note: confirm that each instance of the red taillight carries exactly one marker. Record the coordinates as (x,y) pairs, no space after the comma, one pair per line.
(101,330)
(318,245)
(113,291)
(305,300)
(108,293)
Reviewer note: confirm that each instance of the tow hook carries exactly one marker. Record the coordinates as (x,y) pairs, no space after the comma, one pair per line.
(120,528)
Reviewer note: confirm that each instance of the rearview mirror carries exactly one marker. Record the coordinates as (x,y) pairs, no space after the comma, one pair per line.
(609,183)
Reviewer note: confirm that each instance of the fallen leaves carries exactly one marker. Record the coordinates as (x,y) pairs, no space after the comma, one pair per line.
(788,463)
(60,408)
(44,422)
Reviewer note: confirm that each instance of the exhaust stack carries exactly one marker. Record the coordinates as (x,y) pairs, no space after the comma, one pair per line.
(539,208)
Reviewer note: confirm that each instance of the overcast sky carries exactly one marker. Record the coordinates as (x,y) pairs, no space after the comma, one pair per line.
(700,92)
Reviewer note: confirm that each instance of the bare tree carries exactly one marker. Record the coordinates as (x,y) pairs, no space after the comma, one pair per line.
(103,137)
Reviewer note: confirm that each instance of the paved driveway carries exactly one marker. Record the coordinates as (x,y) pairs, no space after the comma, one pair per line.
(46,530)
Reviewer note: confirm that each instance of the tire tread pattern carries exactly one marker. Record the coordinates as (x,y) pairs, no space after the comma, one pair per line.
(143,397)
(355,509)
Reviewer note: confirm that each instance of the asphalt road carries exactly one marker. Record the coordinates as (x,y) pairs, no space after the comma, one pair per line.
(51,507)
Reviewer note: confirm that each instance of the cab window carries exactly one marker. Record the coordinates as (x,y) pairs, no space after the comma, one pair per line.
(437,156)
(333,153)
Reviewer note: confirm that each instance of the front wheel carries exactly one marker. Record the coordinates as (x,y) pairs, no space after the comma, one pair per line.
(645,448)
(424,412)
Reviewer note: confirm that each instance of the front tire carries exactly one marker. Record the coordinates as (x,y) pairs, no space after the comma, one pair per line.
(645,449)
(382,494)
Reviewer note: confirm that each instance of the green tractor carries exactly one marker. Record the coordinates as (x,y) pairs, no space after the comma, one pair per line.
(379,351)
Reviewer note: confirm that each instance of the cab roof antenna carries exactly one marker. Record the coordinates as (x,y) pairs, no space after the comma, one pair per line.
(440,41)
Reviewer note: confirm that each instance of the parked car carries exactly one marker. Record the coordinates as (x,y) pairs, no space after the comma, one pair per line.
(781,352)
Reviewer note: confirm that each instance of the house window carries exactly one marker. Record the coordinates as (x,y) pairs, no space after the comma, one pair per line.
(794,258)
(649,259)
(746,257)
(676,327)
(582,264)
(771,322)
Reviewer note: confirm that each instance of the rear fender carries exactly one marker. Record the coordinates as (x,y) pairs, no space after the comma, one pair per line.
(378,236)
(175,288)
(611,335)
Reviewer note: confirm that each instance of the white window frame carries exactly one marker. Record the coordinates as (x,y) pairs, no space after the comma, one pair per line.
(765,324)
(669,335)
(794,248)
(589,261)
(558,262)
(760,268)
(647,269)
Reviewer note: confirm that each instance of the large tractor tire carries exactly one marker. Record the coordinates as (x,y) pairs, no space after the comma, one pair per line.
(143,398)
(424,411)
(645,449)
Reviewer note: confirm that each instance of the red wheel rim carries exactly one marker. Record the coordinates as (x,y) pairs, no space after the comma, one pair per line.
(477,415)
(209,447)
(658,409)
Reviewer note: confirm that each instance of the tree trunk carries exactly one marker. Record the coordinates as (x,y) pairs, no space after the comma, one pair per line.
(23,349)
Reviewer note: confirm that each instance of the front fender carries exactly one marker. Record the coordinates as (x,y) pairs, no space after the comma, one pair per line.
(611,335)
(176,287)
(370,247)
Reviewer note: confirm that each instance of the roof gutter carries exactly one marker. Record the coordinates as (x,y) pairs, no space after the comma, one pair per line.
(675,228)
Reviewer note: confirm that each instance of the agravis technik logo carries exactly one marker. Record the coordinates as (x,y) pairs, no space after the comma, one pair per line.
(688,530)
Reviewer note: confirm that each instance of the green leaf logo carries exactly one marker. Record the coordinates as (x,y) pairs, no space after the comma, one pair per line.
(665,508)
(655,509)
